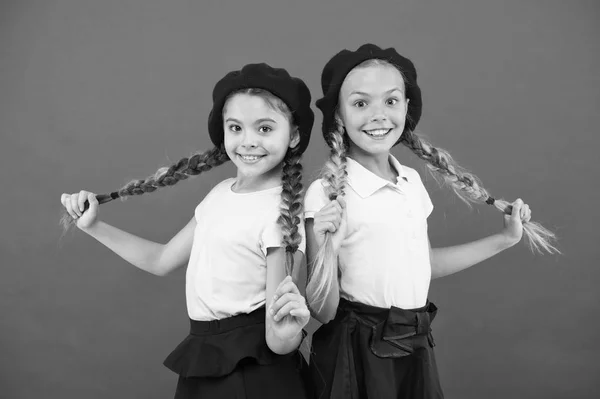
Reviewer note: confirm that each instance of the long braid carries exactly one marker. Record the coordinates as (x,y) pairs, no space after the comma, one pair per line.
(469,188)
(167,176)
(291,207)
(324,266)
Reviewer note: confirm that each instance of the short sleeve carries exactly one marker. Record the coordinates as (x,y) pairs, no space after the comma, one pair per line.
(315,199)
(423,195)
(425,199)
(272,236)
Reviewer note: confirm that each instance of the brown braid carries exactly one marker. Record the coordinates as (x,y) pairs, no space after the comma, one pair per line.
(291,207)
(468,188)
(324,267)
(184,168)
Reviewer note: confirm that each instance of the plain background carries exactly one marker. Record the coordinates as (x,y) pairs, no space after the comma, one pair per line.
(95,93)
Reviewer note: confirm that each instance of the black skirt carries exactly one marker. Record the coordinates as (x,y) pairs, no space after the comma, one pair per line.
(368,352)
(229,358)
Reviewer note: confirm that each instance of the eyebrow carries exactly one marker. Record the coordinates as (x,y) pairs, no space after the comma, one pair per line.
(265,120)
(257,122)
(361,93)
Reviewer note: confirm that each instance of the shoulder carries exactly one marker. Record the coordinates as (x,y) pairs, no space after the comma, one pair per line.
(216,193)
(317,187)
(315,198)
(317,191)
(411,174)
(220,188)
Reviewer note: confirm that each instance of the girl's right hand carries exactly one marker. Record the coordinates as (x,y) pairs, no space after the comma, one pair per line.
(331,219)
(75,206)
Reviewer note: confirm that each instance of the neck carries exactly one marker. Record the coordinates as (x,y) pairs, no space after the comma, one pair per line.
(378,164)
(249,184)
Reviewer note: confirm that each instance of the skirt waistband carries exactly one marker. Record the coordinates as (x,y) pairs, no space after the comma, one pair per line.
(211,327)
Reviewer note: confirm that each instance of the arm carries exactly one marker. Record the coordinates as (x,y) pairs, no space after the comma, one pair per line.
(450,260)
(150,256)
(329,309)
(283,331)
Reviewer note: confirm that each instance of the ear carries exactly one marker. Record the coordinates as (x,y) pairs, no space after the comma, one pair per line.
(295,139)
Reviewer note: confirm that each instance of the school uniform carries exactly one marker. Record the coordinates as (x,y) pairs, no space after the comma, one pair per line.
(226,354)
(379,344)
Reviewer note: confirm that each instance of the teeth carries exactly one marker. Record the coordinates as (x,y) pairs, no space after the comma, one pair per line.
(377,132)
(250,157)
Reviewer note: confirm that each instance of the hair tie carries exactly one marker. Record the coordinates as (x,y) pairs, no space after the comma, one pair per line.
(291,248)
(332,197)
(114,195)
(490,201)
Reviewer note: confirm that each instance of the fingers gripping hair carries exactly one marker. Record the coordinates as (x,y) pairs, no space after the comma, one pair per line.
(470,189)
(323,267)
(291,207)
(168,176)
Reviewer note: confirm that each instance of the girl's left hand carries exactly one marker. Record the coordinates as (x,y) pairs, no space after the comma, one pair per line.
(513,223)
(288,310)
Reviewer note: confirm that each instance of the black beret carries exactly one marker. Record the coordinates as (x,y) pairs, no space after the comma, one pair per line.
(292,91)
(342,63)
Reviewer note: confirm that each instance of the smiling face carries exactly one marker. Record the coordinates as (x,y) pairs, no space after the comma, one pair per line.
(372,107)
(257,134)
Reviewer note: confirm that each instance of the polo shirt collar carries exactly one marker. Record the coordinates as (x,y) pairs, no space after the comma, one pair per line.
(366,183)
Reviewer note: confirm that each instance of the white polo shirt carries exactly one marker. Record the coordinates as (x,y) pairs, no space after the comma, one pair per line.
(227,270)
(384,259)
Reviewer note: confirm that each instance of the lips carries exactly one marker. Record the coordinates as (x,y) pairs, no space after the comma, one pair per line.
(378,132)
(250,158)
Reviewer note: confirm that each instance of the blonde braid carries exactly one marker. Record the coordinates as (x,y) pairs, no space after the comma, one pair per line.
(168,176)
(291,207)
(469,188)
(325,265)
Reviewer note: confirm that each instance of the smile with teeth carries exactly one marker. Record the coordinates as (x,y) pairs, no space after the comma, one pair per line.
(250,158)
(377,132)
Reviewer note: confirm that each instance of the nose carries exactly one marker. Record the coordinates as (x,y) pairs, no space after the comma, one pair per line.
(249,139)
(378,114)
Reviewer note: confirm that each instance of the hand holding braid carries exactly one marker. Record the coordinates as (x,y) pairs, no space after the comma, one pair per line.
(184,168)
(291,207)
(468,188)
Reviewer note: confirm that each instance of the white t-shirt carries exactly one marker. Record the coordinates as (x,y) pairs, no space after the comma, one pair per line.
(227,270)
(384,258)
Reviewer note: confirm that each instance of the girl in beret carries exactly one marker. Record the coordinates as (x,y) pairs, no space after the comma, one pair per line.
(370,261)
(246,313)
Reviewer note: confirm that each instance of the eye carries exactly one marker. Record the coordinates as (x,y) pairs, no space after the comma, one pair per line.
(392,101)
(265,129)
(234,128)
(360,104)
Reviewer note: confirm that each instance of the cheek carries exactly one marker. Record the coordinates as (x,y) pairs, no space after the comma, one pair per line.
(229,142)
(355,120)
(350,116)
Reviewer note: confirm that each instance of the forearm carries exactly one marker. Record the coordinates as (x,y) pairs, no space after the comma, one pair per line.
(324,311)
(450,260)
(142,253)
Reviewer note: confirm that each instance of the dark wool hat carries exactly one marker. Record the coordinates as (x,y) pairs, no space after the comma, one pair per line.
(292,91)
(343,62)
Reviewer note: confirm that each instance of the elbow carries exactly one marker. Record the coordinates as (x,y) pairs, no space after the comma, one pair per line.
(159,272)
(325,316)
(158,266)
(163,270)
(327,312)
